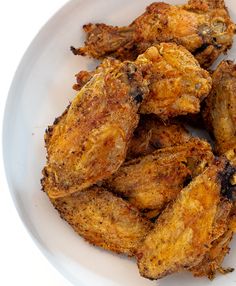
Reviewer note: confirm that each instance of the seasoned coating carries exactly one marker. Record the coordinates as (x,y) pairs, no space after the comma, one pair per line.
(213,259)
(152,134)
(186,229)
(220,109)
(84,77)
(177,82)
(104,219)
(203,27)
(151,182)
(89,142)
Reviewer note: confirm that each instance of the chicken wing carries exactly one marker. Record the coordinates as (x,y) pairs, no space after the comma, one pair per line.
(185,231)
(177,82)
(151,182)
(104,219)
(203,27)
(152,134)
(89,141)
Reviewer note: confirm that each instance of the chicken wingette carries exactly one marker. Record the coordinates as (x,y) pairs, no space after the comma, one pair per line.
(152,134)
(187,228)
(220,109)
(152,181)
(89,141)
(203,27)
(103,219)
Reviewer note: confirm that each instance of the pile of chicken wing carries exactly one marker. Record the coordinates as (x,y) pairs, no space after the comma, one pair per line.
(122,168)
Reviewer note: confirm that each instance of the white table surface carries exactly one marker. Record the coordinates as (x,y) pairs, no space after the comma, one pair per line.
(21,263)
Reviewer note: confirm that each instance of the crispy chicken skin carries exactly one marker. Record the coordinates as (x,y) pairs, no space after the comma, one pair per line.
(152,134)
(103,219)
(220,109)
(203,27)
(177,82)
(213,259)
(186,229)
(89,141)
(82,78)
(151,182)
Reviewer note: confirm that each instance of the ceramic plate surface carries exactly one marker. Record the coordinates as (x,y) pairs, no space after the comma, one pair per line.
(40,92)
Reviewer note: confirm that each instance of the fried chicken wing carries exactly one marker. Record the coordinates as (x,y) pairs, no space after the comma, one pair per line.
(177,82)
(104,219)
(185,231)
(220,109)
(151,182)
(203,27)
(89,141)
(152,134)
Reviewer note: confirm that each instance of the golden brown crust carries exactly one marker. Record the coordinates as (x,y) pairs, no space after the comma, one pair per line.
(82,78)
(212,261)
(186,229)
(151,182)
(220,110)
(104,220)
(202,26)
(89,142)
(206,4)
(177,82)
(152,134)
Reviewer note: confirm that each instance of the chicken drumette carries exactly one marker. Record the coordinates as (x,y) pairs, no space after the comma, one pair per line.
(203,27)
(177,82)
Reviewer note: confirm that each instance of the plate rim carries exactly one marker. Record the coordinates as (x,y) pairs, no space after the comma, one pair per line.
(30,53)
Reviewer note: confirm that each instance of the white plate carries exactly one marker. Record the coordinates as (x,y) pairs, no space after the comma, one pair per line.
(40,91)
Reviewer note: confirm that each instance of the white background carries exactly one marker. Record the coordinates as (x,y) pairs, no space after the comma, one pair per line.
(21,263)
